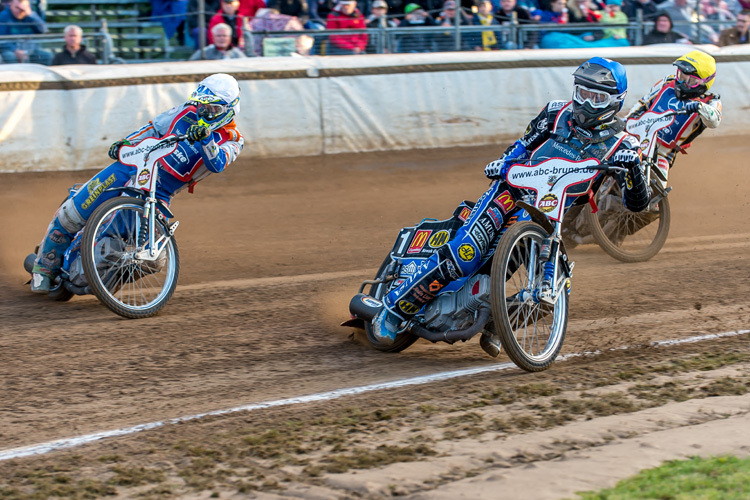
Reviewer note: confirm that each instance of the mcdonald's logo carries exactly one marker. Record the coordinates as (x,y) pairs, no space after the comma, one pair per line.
(420,238)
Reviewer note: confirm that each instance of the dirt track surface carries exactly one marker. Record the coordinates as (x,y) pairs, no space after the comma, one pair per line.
(272,250)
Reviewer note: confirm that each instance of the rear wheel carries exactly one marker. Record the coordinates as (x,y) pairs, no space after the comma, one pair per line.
(531,332)
(127,282)
(379,291)
(628,236)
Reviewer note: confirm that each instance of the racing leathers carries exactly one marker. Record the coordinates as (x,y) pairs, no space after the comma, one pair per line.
(552,134)
(188,164)
(685,127)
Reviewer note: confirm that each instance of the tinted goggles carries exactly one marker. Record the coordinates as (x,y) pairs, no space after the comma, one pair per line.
(211,110)
(596,98)
(691,81)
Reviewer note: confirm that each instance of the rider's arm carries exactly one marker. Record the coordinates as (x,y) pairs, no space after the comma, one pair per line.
(537,132)
(710,112)
(217,156)
(636,193)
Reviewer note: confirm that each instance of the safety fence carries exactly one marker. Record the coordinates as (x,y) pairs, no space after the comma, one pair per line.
(301,106)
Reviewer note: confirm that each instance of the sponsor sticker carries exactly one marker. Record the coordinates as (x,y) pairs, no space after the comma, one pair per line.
(407,307)
(548,203)
(466,252)
(505,202)
(96,188)
(435,286)
(480,238)
(371,302)
(495,216)
(143,177)
(409,268)
(439,239)
(420,238)
(464,214)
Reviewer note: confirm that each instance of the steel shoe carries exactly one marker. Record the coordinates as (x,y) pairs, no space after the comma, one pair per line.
(40,283)
(385,326)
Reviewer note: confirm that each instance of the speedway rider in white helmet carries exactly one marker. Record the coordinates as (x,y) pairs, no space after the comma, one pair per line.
(207,118)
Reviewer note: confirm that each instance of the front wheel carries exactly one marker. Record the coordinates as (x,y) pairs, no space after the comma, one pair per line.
(379,291)
(530,331)
(628,236)
(128,283)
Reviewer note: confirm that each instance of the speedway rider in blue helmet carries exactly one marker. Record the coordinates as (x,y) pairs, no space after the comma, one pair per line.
(586,127)
(207,119)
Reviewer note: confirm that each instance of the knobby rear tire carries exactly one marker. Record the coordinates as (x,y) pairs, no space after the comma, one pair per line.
(124,211)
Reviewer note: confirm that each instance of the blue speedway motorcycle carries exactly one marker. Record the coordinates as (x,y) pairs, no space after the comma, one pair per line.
(521,290)
(126,254)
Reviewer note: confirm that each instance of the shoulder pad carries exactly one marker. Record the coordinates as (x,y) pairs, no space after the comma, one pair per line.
(556,105)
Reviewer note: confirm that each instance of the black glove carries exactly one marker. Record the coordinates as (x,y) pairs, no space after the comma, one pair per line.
(114,149)
(197,132)
(693,106)
(627,158)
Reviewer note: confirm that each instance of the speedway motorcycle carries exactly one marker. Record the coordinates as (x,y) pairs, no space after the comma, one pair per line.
(635,236)
(521,290)
(126,254)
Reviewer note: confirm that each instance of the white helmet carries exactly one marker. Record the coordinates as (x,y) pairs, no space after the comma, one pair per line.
(217,100)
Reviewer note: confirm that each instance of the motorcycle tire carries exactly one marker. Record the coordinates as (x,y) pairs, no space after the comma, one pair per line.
(127,286)
(628,236)
(532,333)
(403,340)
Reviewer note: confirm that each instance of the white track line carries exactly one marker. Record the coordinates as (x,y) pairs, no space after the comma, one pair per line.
(43,448)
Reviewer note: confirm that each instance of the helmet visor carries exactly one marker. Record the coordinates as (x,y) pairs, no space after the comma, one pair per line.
(596,98)
(209,111)
(691,81)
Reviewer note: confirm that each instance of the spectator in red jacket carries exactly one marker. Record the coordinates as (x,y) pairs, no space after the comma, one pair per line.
(228,15)
(345,15)
(248,8)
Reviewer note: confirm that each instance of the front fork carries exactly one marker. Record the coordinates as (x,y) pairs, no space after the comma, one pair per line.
(147,232)
(555,270)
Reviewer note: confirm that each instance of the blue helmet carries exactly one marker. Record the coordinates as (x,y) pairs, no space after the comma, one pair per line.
(600,88)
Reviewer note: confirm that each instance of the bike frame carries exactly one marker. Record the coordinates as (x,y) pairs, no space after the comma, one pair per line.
(144,156)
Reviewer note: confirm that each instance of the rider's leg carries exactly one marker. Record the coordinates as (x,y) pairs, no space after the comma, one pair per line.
(459,257)
(70,218)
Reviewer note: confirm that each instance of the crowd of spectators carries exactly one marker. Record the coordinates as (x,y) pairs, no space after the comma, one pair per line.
(239,28)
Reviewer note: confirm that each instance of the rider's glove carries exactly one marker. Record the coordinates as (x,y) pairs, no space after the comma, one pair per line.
(197,132)
(498,169)
(114,149)
(693,106)
(627,158)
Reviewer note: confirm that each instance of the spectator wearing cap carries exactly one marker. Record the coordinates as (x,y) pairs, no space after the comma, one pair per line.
(614,15)
(222,47)
(416,17)
(228,14)
(663,32)
(345,15)
(446,41)
(738,34)
(683,10)
(487,39)
(74,52)
(378,18)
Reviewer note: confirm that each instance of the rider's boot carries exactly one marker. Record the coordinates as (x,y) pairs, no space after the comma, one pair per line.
(385,326)
(41,283)
(421,287)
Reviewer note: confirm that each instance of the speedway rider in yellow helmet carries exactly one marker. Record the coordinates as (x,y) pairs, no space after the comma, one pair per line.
(213,142)
(688,89)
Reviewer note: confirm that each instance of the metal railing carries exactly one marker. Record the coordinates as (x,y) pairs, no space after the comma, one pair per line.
(102,45)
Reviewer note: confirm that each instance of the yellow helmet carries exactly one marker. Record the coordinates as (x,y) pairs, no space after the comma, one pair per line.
(696,72)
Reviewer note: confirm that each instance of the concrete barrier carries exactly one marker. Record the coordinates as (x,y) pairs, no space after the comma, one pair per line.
(65,118)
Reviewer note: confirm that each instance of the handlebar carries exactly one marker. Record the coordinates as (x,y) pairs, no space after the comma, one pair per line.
(166,142)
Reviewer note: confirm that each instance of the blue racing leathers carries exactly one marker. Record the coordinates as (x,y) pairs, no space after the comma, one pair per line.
(550,135)
(685,128)
(188,164)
